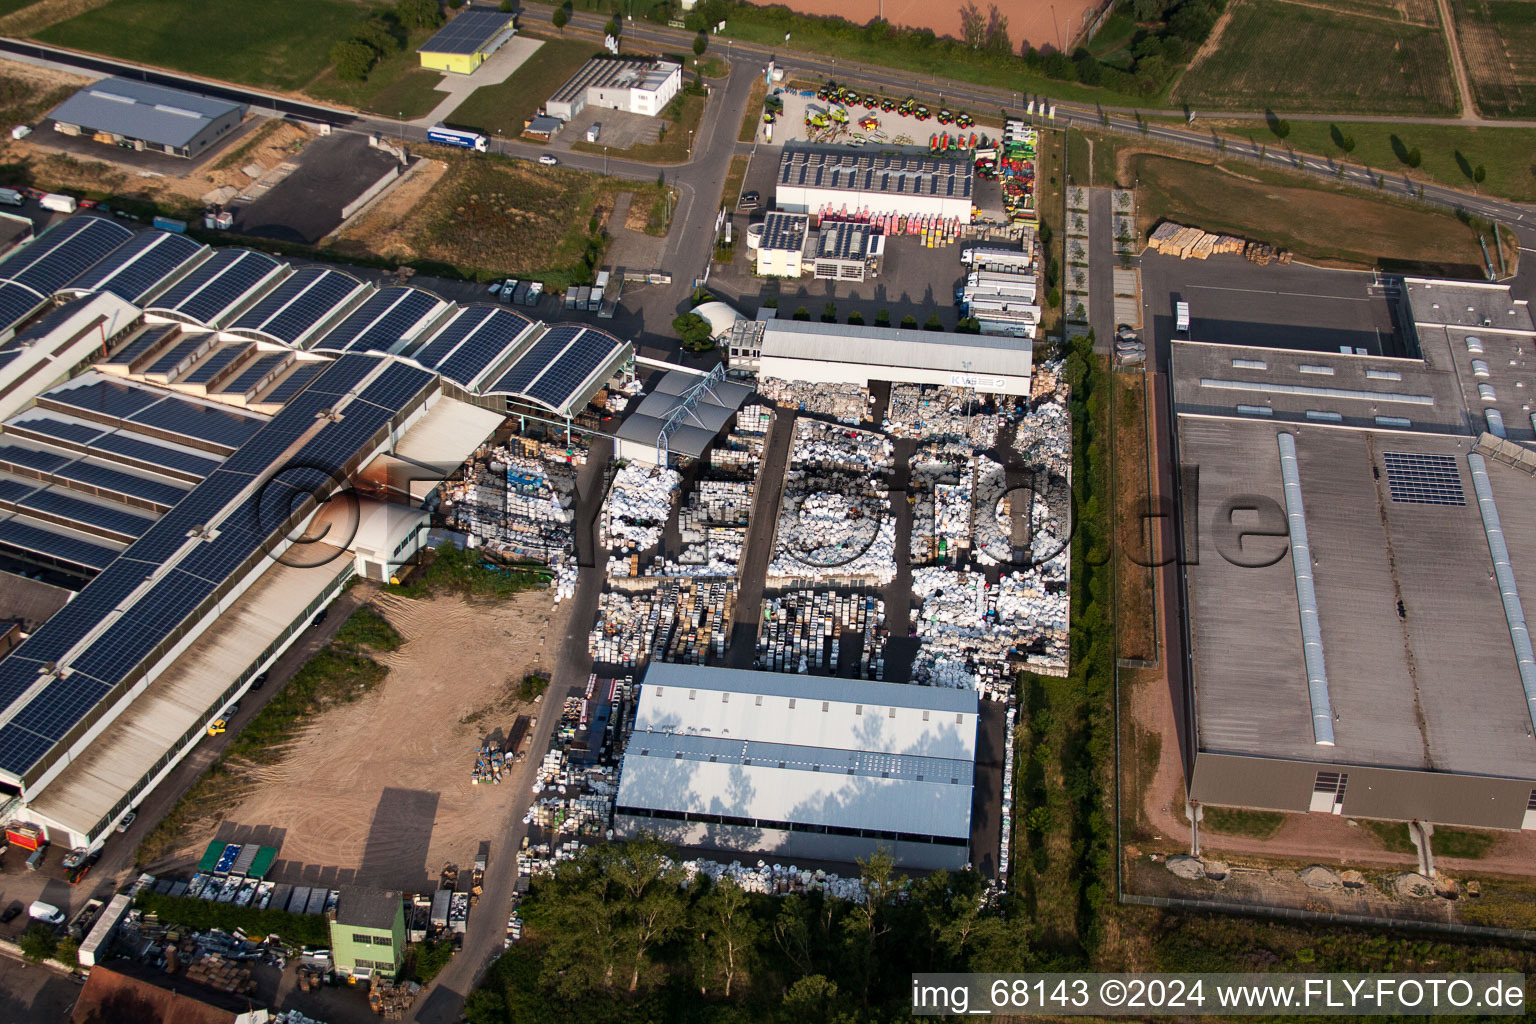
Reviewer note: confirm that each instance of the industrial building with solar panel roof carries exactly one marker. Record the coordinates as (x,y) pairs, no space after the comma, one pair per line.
(1359,533)
(174,418)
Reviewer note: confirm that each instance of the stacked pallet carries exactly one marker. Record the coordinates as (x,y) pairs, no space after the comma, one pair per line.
(1264,254)
(1187,243)
(216,972)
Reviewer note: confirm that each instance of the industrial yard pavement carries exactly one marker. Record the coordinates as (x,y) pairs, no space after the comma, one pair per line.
(378,792)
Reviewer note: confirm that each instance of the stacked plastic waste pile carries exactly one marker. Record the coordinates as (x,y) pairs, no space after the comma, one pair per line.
(835,517)
(941,413)
(637,506)
(847,403)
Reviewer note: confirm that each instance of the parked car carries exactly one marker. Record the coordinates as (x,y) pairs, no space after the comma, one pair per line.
(260,681)
(218,727)
(320,619)
(232,711)
(749,200)
(11,913)
(547,160)
(128,820)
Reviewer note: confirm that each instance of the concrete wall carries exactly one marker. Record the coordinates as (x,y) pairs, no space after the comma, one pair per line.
(778,263)
(1397,794)
(739,839)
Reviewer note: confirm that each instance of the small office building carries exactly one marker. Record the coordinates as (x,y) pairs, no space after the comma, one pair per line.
(141,116)
(638,86)
(781,244)
(368,932)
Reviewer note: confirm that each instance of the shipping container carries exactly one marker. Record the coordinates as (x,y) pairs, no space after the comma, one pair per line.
(100,935)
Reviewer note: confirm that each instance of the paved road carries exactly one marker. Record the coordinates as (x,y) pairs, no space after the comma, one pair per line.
(1101,268)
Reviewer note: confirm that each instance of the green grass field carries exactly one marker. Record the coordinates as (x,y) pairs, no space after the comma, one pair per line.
(1297,57)
(1236,821)
(1331,223)
(398,86)
(1498,46)
(9,6)
(502,109)
(1506,153)
(278,44)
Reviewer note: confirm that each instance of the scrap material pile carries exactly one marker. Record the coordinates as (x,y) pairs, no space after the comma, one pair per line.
(713,527)
(942,497)
(1172,239)
(761,878)
(1013,163)
(681,620)
(518,501)
(846,403)
(391,1000)
(216,971)
(636,510)
(940,413)
(835,518)
(494,759)
(803,631)
(578,780)
(969,629)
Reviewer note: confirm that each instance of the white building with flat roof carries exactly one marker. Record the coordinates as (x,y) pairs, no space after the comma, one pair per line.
(828,769)
(638,86)
(818,353)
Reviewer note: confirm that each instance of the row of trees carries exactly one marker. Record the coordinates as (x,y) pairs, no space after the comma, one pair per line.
(380,35)
(620,933)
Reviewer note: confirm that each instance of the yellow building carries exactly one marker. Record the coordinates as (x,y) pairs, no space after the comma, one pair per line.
(465,42)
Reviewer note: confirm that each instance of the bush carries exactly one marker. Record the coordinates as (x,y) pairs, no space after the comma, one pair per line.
(353,59)
(883,318)
(418,13)
(38,943)
(68,953)
(829,313)
(200,915)
(693,330)
(507,7)
(909,321)
(856,318)
(802,314)
(429,958)
(367,628)
(934,323)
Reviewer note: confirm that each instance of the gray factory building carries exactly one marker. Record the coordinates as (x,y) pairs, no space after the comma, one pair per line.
(138,115)
(1359,540)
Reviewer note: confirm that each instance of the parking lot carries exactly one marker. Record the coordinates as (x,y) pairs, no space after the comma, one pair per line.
(1292,306)
(619,130)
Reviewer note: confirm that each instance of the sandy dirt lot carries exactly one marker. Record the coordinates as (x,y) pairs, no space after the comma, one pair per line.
(379,230)
(1028,20)
(378,792)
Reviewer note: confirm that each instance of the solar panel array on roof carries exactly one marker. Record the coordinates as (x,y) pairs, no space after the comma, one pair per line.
(1415,478)
(216,284)
(469,32)
(137,267)
(17,303)
(785,232)
(297,380)
(301,301)
(141,343)
(233,501)
(556,367)
(216,363)
(114,520)
(171,361)
(102,399)
(20,535)
(147,453)
(215,425)
(252,373)
(94,477)
(48,427)
(63,252)
(472,341)
(380,323)
(897,174)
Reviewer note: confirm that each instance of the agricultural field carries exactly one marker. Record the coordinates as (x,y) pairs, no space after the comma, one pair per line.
(502,109)
(1293,56)
(1498,46)
(491,217)
(216,38)
(1448,154)
(1330,224)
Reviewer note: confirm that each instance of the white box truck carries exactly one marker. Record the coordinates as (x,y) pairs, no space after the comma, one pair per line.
(58,203)
(1181,317)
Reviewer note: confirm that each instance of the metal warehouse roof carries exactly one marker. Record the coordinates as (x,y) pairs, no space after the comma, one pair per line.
(470,32)
(140,110)
(609,73)
(893,173)
(715,405)
(62,252)
(847,752)
(887,346)
(102,643)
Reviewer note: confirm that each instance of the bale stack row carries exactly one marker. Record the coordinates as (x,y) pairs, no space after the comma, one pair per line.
(217,972)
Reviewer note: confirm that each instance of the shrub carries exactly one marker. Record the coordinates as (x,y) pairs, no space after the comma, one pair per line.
(934,323)
(802,314)
(829,313)
(883,318)
(693,330)
(909,321)
(200,915)
(353,59)
(856,318)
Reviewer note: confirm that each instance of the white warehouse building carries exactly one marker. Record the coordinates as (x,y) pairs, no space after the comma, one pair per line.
(791,766)
(638,86)
(877,184)
(846,354)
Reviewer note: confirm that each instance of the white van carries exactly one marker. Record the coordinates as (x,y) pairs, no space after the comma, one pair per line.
(47,913)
